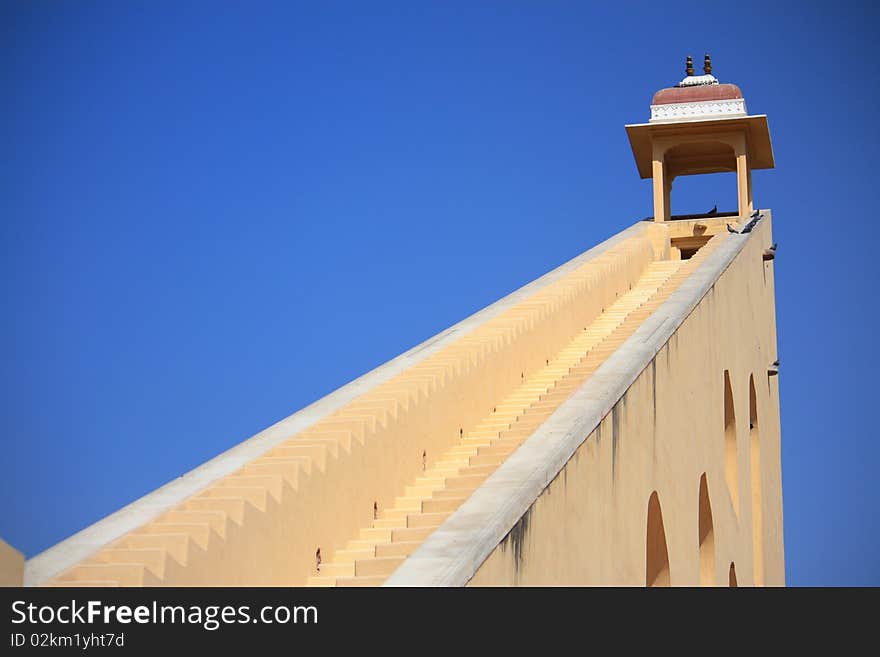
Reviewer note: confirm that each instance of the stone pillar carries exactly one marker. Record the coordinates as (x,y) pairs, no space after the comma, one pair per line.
(743,175)
(667,192)
(661,190)
(751,203)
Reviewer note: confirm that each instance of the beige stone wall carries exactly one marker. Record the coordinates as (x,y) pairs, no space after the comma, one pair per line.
(11,565)
(591,524)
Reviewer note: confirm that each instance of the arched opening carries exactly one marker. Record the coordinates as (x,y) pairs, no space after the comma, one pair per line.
(656,555)
(703,193)
(731,577)
(730,457)
(707,536)
(757,501)
(689,163)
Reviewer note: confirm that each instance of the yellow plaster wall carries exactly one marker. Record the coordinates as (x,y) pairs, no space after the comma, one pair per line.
(11,565)
(589,525)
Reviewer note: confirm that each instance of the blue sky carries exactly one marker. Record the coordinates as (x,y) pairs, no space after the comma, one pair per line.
(212,214)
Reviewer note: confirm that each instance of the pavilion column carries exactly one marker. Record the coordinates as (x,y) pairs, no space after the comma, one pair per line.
(743,179)
(667,192)
(661,188)
(751,203)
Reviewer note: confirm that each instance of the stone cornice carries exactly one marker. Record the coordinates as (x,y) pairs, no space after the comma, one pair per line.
(698,110)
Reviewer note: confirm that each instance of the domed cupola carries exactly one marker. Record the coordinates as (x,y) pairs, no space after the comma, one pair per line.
(700,126)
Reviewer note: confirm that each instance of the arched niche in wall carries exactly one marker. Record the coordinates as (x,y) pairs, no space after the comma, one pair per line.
(706,536)
(730,453)
(656,555)
(757,499)
(731,576)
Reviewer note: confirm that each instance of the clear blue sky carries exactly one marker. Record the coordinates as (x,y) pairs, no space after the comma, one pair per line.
(215,213)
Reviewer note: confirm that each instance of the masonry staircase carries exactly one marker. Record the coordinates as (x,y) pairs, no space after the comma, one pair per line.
(379,549)
(173,548)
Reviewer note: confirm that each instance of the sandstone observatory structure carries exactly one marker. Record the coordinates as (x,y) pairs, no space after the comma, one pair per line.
(614,422)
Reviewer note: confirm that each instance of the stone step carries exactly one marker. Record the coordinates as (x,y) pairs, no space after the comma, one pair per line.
(290,470)
(465,481)
(378,534)
(383,566)
(125,574)
(483,470)
(456,454)
(420,491)
(390,523)
(252,494)
(335,569)
(451,470)
(304,462)
(360,544)
(502,448)
(489,459)
(409,503)
(83,583)
(455,493)
(411,534)
(233,507)
(522,431)
(361,581)
(272,483)
(216,519)
(495,426)
(425,519)
(485,433)
(430,480)
(318,580)
(395,513)
(198,532)
(401,549)
(317,453)
(175,545)
(475,442)
(350,556)
(445,505)
(152,558)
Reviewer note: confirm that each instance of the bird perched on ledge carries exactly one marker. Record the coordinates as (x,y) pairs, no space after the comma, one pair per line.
(713,211)
(770,253)
(755,217)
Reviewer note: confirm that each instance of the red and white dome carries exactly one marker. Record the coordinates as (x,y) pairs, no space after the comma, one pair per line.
(697,97)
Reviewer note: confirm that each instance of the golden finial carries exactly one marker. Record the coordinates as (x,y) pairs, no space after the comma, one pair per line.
(689,66)
(707,65)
